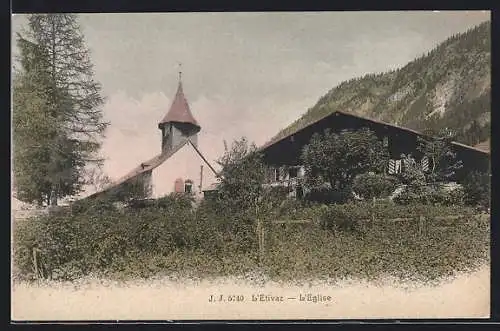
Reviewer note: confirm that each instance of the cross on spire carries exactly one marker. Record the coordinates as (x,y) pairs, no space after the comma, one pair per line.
(180,72)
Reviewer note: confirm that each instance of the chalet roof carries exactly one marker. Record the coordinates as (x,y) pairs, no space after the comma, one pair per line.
(303,126)
(179,110)
(485,145)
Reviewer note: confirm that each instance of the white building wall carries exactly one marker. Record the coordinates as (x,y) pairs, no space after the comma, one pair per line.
(184,164)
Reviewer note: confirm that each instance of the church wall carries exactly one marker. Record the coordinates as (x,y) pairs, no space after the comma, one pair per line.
(184,164)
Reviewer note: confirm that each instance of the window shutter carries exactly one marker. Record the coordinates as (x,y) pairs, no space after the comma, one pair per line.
(425,163)
(392,167)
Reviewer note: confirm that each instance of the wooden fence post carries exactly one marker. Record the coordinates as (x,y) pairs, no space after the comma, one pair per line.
(373,210)
(260,238)
(263,238)
(35,265)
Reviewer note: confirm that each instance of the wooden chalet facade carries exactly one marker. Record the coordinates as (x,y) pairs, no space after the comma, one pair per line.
(283,154)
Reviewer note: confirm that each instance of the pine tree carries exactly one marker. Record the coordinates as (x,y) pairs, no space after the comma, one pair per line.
(73,99)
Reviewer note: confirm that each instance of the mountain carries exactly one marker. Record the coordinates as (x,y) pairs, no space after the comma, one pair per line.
(449,87)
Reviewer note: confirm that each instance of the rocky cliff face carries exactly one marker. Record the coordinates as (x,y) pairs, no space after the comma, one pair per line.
(449,87)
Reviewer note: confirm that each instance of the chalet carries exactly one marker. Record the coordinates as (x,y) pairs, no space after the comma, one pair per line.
(282,153)
(179,134)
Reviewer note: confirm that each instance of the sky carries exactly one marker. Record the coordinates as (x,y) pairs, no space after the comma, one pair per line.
(244,74)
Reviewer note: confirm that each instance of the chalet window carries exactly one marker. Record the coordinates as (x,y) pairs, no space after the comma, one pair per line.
(275,175)
(385,141)
(279,174)
(293,172)
(302,172)
(299,192)
(395,167)
(399,166)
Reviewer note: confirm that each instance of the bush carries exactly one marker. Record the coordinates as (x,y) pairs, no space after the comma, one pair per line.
(430,195)
(343,217)
(301,251)
(370,185)
(175,239)
(477,187)
(104,240)
(328,195)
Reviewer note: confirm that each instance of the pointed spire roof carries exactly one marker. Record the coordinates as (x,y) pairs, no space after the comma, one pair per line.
(179,110)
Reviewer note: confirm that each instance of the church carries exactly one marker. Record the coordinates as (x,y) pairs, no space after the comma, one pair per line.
(179,152)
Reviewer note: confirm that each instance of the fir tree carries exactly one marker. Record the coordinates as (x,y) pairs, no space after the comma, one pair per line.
(34,127)
(72,99)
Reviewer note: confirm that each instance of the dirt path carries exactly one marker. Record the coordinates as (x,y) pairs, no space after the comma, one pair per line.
(465,296)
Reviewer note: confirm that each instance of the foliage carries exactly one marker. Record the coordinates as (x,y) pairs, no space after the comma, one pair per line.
(56,110)
(442,160)
(342,217)
(380,249)
(34,127)
(412,174)
(96,237)
(241,178)
(430,194)
(171,238)
(477,187)
(327,195)
(176,202)
(371,185)
(424,187)
(336,158)
(97,179)
(139,187)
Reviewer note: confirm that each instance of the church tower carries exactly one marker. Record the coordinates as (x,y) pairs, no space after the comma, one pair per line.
(179,124)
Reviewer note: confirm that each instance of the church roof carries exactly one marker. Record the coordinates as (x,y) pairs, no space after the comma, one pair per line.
(179,110)
(149,166)
(146,166)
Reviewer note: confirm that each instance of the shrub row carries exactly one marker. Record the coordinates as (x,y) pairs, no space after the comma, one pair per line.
(392,249)
(170,237)
(99,238)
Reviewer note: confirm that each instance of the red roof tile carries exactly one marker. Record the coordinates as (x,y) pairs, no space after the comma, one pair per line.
(179,110)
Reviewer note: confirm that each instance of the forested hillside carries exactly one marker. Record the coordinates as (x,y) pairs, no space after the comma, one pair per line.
(449,86)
